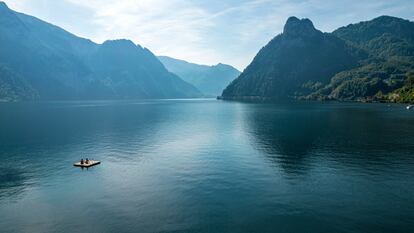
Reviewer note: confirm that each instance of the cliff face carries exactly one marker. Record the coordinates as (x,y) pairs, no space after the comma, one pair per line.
(356,62)
(293,61)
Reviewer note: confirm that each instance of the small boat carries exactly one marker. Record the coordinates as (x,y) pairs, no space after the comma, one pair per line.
(90,163)
(410,107)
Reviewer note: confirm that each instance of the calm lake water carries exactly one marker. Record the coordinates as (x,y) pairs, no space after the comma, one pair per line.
(206,166)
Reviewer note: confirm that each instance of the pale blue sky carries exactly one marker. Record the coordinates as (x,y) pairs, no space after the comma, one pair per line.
(208,31)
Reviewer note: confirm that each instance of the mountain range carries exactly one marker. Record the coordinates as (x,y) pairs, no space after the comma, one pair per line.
(40,61)
(367,61)
(210,80)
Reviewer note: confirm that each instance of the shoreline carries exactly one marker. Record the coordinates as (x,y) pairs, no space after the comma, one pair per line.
(259,99)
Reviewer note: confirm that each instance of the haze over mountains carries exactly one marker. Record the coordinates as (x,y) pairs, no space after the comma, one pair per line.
(367,61)
(210,80)
(39,61)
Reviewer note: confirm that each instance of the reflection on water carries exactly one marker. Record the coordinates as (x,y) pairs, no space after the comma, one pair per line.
(287,135)
(292,134)
(12,182)
(206,166)
(39,135)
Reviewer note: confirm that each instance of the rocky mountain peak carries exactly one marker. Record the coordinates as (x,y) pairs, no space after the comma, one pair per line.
(299,27)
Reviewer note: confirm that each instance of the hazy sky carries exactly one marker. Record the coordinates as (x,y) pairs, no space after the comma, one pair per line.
(202,31)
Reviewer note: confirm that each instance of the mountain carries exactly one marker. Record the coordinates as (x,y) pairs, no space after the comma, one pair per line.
(389,41)
(367,61)
(134,72)
(384,36)
(211,80)
(14,87)
(293,63)
(40,61)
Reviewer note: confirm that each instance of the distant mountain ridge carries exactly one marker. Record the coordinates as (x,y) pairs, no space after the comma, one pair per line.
(368,61)
(40,61)
(210,80)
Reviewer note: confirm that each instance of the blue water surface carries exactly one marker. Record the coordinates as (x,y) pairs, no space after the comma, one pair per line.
(206,166)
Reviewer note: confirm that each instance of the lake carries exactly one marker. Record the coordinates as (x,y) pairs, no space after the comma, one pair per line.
(206,166)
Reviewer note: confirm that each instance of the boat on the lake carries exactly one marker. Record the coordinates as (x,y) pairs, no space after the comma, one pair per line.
(410,107)
(86,163)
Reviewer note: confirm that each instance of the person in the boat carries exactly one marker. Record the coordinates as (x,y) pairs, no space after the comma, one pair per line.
(81,162)
(87,161)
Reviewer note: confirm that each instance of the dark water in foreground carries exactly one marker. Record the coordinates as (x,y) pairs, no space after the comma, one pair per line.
(206,166)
